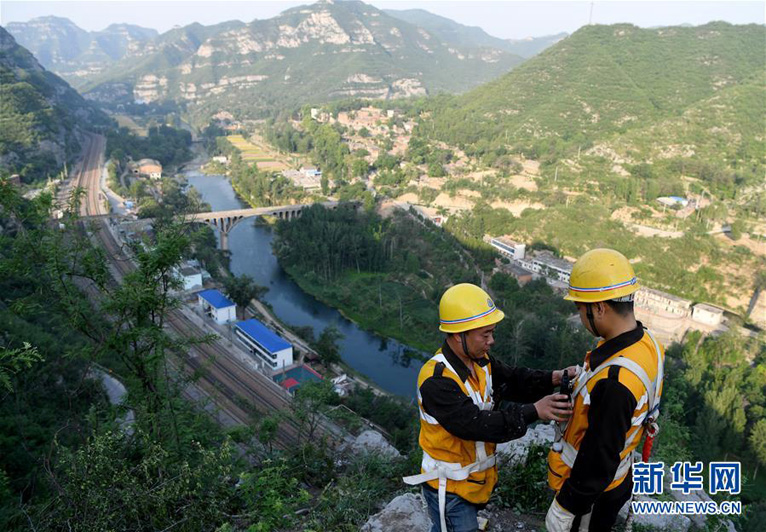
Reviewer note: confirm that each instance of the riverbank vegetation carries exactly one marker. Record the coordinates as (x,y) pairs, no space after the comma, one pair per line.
(259,188)
(388,275)
(384,273)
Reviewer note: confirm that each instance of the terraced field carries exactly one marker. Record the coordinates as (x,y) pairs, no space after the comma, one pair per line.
(255,154)
(128,122)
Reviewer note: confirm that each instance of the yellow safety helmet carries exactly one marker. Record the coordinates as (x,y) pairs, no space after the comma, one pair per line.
(602,275)
(464,307)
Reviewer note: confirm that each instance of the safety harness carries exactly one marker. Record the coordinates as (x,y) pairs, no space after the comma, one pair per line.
(434,469)
(648,419)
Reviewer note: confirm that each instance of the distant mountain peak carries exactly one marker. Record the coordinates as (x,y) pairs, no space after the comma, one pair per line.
(456,34)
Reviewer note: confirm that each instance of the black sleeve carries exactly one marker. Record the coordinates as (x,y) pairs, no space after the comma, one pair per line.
(609,417)
(444,400)
(521,385)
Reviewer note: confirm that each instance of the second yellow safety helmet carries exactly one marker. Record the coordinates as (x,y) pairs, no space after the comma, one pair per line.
(464,307)
(601,275)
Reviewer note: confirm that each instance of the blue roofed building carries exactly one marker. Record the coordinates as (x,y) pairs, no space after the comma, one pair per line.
(217,306)
(265,345)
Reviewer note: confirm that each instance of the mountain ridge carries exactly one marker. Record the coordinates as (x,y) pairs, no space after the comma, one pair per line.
(473,36)
(307,54)
(311,53)
(604,81)
(72,52)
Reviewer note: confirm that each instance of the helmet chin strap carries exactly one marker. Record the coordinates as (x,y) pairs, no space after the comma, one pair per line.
(589,314)
(464,343)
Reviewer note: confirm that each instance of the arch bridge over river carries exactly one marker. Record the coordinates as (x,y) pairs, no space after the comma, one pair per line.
(225,221)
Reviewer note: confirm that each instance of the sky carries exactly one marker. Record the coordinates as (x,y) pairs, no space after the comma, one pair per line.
(500,18)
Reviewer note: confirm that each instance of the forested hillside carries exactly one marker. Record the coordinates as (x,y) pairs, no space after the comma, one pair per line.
(605,81)
(617,117)
(41,117)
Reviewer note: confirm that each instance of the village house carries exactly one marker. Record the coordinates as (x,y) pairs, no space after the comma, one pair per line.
(190,276)
(217,306)
(148,168)
(523,276)
(509,248)
(554,269)
(266,346)
(309,180)
(658,302)
(707,314)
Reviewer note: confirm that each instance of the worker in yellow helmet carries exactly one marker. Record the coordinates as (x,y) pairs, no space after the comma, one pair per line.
(459,390)
(616,399)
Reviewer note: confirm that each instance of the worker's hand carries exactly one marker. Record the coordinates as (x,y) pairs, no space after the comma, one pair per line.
(559,373)
(558,519)
(554,407)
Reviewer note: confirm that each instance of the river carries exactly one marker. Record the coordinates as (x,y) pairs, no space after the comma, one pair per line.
(382,361)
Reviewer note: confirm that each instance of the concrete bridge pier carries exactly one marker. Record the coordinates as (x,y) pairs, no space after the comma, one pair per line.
(224,225)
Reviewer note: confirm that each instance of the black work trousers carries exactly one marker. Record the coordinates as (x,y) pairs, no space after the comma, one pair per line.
(607,506)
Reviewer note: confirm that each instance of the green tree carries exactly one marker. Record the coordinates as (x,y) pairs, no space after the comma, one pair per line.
(310,404)
(138,189)
(359,168)
(757,442)
(436,170)
(242,289)
(327,345)
(267,430)
(736,230)
(14,360)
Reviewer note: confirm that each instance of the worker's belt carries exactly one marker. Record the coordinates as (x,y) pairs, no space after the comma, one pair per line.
(569,455)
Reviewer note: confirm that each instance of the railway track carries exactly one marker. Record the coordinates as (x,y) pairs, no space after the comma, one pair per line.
(232,386)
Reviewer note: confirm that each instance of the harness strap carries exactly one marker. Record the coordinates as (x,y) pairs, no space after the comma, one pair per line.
(652,387)
(660,373)
(436,469)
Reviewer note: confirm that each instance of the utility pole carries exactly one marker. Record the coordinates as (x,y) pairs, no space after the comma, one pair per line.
(590,18)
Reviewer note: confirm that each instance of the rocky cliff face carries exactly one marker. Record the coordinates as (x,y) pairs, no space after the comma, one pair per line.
(73,53)
(307,54)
